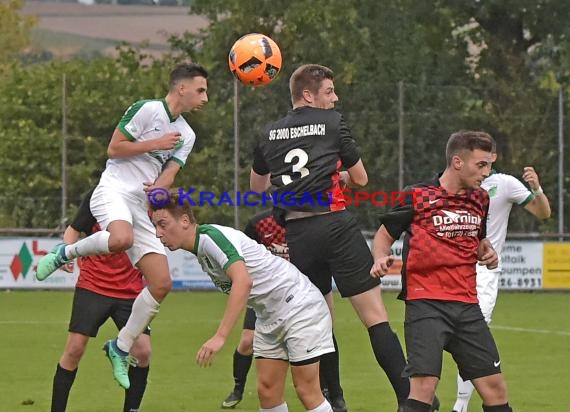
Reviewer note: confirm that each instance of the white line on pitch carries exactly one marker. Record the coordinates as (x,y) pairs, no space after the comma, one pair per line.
(529,330)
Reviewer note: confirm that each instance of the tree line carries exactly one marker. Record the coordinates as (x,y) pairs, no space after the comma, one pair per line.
(418,69)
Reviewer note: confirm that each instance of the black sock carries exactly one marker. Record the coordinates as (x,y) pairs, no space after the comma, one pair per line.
(390,357)
(242,364)
(329,372)
(133,396)
(62,382)
(498,408)
(412,405)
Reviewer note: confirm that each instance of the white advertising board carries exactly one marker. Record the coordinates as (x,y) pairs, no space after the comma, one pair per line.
(522,264)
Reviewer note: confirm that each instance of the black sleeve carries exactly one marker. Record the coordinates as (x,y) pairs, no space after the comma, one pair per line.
(84,220)
(250,230)
(400,216)
(349,153)
(259,165)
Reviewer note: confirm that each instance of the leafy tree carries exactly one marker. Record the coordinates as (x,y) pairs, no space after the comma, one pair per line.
(97,93)
(14,29)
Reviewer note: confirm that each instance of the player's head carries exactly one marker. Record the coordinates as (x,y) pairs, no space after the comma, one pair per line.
(469,155)
(188,83)
(173,219)
(312,85)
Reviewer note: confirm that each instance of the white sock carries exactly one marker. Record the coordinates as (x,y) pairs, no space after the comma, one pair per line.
(95,244)
(144,310)
(278,408)
(323,407)
(464,391)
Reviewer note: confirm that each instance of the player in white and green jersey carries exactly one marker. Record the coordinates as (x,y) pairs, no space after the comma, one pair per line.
(149,146)
(504,191)
(293,324)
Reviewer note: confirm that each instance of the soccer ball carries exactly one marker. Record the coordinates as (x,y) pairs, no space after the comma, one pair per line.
(255,59)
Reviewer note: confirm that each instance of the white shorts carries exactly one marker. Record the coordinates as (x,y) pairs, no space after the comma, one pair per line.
(487,290)
(305,334)
(109,204)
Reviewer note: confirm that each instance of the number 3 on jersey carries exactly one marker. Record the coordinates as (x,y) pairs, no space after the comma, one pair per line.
(298,166)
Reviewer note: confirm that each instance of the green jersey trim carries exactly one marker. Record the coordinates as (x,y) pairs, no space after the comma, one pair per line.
(180,162)
(222,242)
(172,119)
(529,199)
(128,116)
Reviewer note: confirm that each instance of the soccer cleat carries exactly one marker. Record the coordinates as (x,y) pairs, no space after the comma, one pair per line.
(50,262)
(232,400)
(120,363)
(338,404)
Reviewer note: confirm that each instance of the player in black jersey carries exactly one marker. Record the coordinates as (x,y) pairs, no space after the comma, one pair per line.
(302,155)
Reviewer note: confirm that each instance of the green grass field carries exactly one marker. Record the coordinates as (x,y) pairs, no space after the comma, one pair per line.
(532,331)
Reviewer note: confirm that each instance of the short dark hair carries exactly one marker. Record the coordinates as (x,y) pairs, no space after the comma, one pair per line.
(186,71)
(468,140)
(308,77)
(176,206)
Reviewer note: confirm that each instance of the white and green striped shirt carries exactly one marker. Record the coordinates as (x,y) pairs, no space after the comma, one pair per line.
(276,281)
(147,120)
(504,191)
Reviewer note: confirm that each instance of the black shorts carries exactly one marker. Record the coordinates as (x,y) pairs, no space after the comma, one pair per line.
(249,319)
(331,245)
(90,310)
(432,326)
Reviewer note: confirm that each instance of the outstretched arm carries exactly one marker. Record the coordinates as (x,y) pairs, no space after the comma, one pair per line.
(239,294)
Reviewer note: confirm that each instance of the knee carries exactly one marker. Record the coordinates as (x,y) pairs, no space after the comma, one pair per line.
(119,242)
(264,391)
(303,391)
(159,286)
(499,388)
(162,287)
(142,350)
(73,354)
(493,389)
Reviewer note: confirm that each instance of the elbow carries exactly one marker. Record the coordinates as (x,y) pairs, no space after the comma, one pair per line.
(359,181)
(112,152)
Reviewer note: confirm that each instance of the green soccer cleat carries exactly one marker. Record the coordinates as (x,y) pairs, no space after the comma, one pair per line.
(232,400)
(120,362)
(51,262)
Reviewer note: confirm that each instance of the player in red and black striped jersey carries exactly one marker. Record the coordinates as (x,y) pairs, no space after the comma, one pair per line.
(302,155)
(106,288)
(443,222)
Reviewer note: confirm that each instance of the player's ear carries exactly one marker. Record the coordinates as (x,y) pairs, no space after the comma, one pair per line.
(308,96)
(456,162)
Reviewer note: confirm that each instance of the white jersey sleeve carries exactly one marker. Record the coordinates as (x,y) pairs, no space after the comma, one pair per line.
(518,192)
(136,120)
(181,153)
(220,249)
